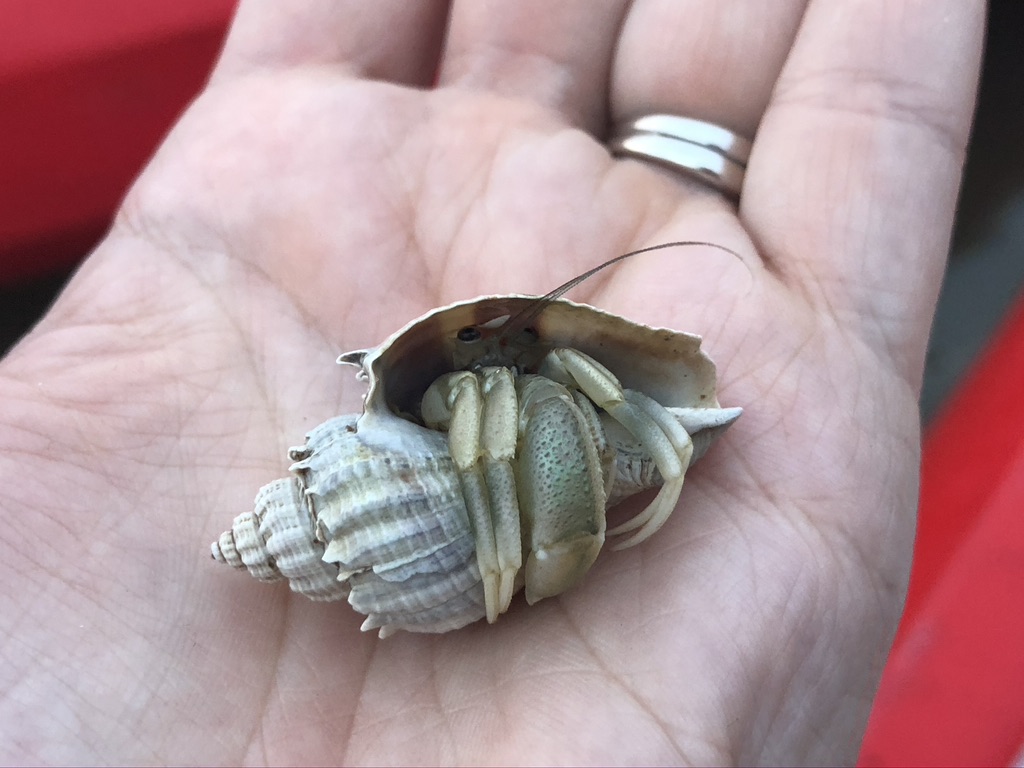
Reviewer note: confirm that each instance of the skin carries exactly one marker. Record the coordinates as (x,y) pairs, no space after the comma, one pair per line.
(318,195)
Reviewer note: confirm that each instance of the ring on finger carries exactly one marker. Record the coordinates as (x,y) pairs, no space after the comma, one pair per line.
(703,151)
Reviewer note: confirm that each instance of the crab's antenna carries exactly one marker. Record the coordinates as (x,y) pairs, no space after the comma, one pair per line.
(523,320)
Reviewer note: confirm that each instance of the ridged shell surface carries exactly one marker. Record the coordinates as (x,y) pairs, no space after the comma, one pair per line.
(396,524)
(401,552)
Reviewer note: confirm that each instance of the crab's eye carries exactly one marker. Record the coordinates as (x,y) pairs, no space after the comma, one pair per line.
(469,333)
(529,335)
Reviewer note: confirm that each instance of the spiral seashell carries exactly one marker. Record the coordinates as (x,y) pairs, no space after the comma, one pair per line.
(376,509)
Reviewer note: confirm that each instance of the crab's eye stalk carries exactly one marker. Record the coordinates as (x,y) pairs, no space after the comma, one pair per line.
(469,334)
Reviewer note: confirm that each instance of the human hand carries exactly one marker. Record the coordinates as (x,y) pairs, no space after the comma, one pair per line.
(317,196)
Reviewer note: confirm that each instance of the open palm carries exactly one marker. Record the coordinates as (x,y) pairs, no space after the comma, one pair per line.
(321,193)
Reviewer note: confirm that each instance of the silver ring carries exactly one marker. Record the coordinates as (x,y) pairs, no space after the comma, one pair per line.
(704,151)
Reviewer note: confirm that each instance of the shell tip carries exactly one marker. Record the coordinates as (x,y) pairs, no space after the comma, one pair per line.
(223,550)
(352,358)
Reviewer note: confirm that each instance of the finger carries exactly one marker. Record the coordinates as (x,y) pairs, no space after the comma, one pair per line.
(553,54)
(713,61)
(390,40)
(851,187)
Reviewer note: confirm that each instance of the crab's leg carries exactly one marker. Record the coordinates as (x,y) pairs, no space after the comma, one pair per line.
(480,413)
(561,487)
(498,436)
(683,446)
(661,435)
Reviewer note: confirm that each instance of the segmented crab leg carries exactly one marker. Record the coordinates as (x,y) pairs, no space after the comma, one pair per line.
(498,437)
(653,517)
(481,416)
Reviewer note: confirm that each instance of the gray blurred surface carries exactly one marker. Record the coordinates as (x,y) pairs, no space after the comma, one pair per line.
(986,267)
(986,270)
(983,279)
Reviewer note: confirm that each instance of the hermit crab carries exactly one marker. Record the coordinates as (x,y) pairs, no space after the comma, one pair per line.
(494,436)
